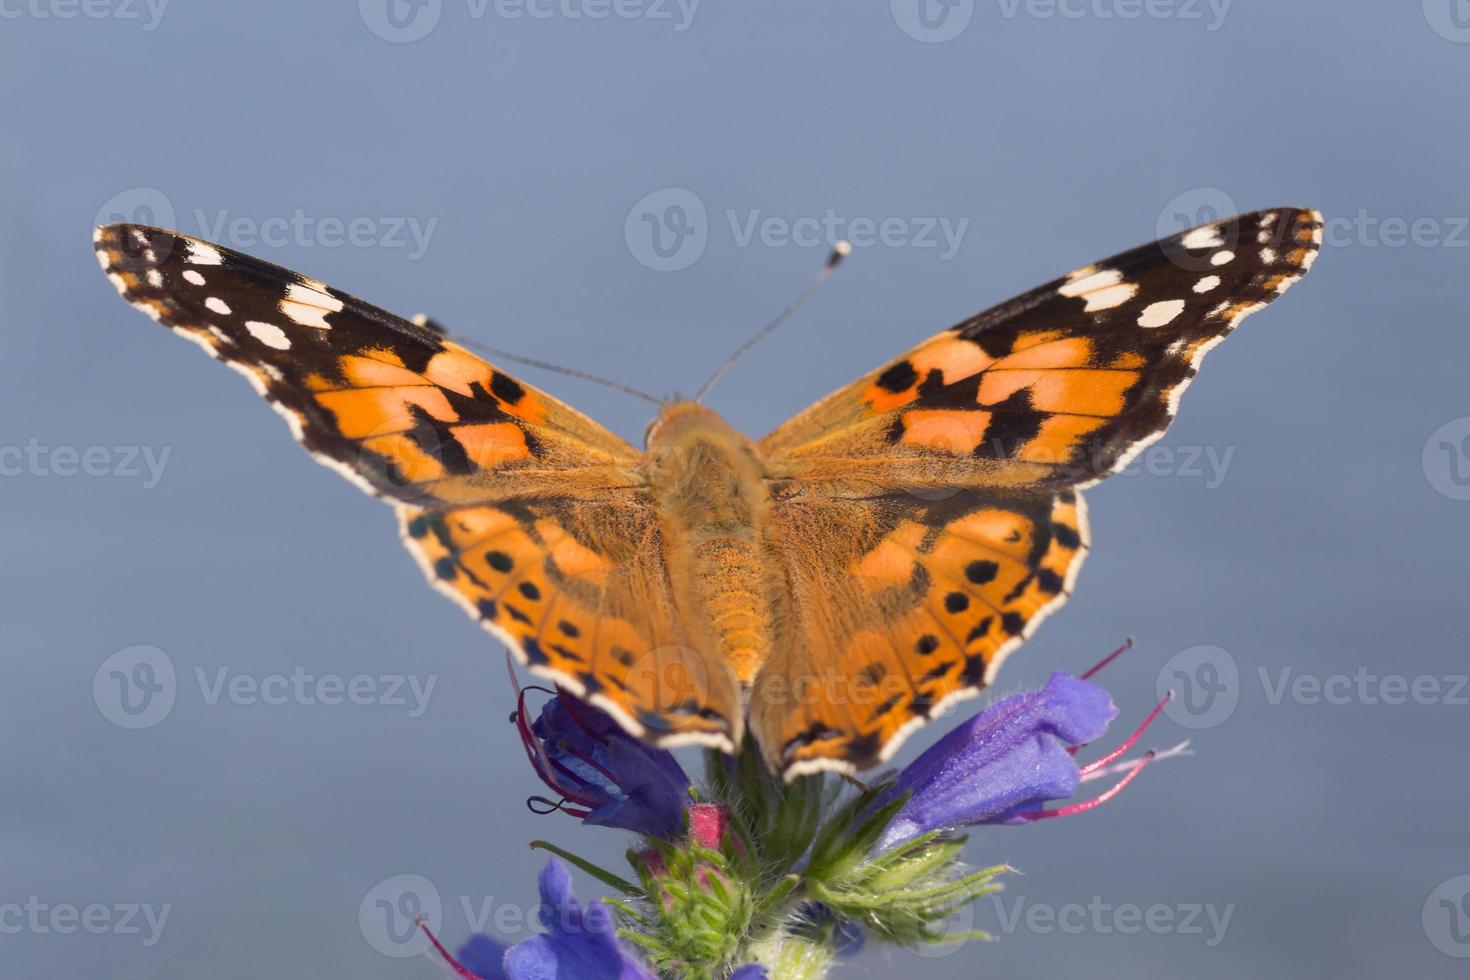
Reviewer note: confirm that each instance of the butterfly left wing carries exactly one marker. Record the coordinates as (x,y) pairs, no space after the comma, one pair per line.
(942,488)
(527,513)
(395,407)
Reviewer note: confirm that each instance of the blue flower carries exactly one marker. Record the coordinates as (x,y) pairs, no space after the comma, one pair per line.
(603,774)
(578,942)
(751,972)
(1004,764)
(483,957)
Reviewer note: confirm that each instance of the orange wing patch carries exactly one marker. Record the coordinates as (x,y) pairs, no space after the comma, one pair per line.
(932,607)
(586,604)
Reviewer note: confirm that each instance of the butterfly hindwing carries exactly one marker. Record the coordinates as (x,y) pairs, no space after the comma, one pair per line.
(902,606)
(1060,386)
(580,589)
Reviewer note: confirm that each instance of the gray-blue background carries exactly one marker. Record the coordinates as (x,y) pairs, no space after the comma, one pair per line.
(1333,541)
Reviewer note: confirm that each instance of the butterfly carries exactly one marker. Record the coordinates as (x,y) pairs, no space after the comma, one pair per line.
(826,589)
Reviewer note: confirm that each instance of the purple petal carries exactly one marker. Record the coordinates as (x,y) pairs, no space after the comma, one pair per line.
(577,943)
(483,956)
(1007,760)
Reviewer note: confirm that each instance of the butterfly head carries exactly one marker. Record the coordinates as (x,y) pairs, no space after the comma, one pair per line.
(681,422)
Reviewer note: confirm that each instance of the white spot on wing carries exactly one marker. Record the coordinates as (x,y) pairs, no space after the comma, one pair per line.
(308,306)
(1161,313)
(1222,257)
(217,305)
(1106,299)
(201,253)
(1088,280)
(1205,237)
(268,334)
(190,276)
(1206,284)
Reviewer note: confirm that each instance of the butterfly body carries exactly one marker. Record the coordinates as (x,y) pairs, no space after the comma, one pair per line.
(708,484)
(829,587)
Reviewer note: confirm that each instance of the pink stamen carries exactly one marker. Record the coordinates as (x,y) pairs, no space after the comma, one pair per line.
(1131,740)
(448,958)
(1099,800)
(1127,645)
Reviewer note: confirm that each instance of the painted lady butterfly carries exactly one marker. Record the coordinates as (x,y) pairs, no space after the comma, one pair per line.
(832,585)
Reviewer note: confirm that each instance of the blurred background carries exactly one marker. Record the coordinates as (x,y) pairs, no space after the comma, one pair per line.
(632,188)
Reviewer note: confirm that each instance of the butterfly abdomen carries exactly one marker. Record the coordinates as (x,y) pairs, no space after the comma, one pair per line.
(710,486)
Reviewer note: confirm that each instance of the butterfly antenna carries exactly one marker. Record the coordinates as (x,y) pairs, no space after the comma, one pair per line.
(840,251)
(501,355)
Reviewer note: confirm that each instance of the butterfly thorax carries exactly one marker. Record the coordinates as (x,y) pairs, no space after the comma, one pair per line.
(709,483)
